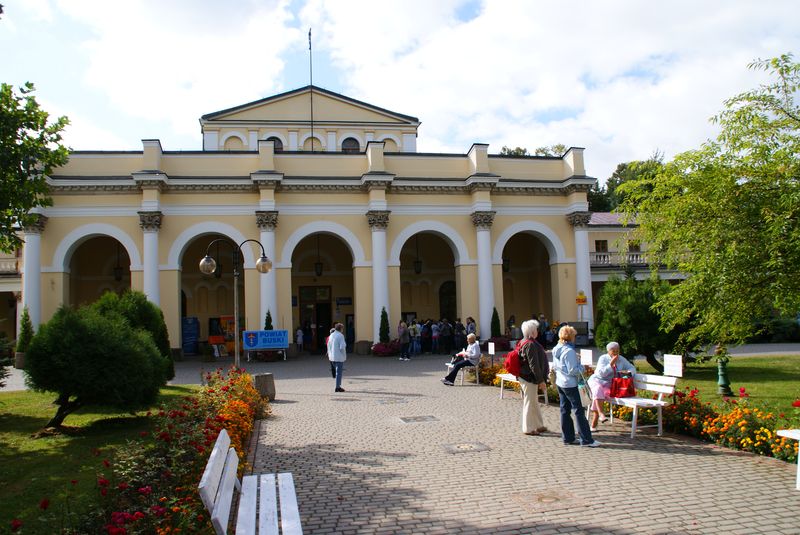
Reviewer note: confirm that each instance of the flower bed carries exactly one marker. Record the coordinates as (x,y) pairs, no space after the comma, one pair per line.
(151,484)
(386,349)
(737,424)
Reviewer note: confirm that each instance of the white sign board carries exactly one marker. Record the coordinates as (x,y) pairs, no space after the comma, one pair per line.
(491,348)
(673,365)
(586,357)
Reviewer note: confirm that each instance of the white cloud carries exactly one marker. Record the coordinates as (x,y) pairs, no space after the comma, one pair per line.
(620,78)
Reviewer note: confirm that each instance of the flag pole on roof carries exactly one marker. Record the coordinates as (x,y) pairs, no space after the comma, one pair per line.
(311,87)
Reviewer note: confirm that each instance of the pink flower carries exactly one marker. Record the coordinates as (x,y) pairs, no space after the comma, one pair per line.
(123,486)
(145,491)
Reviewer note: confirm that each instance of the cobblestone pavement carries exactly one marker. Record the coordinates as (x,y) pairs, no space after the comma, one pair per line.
(460,463)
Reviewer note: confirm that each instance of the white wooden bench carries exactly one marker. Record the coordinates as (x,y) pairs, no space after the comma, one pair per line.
(463,371)
(507,377)
(795,434)
(663,385)
(258,498)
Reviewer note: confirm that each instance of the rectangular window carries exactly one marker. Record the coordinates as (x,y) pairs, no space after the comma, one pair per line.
(601,246)
(634,247)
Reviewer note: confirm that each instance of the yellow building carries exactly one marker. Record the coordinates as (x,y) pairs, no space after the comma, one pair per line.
(353,218)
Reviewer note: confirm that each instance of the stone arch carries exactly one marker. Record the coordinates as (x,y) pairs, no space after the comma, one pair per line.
(555,249)
(209,227)
(391,137)
(302,141)
(279,136)
(446,232)
(66,248)
(357,137)
(235,134)
(325,227)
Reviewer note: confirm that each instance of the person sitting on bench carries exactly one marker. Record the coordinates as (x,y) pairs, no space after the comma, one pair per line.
(469,357)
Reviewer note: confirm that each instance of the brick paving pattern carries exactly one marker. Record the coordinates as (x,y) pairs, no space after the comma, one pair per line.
(359,468)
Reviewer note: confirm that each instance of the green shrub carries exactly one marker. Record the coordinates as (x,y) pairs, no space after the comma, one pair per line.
(495,324)
(88,358)
(25,332)
(383,334)
(140,314)
(268,322)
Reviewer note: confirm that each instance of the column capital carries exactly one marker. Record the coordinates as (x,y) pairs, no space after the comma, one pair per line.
(267,219)
(150,220)
(378,219)
(483,219)
(35,225)
(579,219)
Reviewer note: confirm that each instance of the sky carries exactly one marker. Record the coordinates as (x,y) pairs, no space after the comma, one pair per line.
(621,78)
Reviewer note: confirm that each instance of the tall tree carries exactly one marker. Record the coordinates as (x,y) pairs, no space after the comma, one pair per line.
(553,150)
(29,150)
(728,215)
(606,198)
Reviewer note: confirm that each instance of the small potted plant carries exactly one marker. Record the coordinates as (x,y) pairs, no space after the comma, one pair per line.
(23,340)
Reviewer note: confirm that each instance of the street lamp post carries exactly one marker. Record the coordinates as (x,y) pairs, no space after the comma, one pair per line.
(208,265)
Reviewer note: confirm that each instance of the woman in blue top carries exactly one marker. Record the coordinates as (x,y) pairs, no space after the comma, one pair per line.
(600,381)
(569,372)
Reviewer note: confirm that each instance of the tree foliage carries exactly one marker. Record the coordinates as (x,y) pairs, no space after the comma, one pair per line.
(29,150)
(728,215)
(383,333)
(519,151)
(90,358)
(140,314)
(608,197)
(553,150)
(495,324)
(25,334)
(625,315)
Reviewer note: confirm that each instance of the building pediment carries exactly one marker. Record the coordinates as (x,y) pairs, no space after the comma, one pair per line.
(294,106)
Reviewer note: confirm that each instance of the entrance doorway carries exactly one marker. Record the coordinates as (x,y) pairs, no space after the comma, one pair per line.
(316,315)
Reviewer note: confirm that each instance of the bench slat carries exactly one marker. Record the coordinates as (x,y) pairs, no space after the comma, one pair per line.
(209,483)
(222,508)
(290,515)
(656,379)
(268,506)
(246,516)
(661,389)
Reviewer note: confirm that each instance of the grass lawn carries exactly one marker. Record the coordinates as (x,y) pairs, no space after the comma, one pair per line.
(772,381)
(33,469)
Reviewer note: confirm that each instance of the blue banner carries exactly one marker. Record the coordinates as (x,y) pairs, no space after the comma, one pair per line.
(253,340)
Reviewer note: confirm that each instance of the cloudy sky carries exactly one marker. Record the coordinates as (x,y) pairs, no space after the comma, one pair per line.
(621,78)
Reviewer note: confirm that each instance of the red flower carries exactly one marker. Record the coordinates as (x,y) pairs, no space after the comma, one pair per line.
(44,504)
(145,491)
(16,524)
(796,403)
(74,482)
(103,491)
(123,486)
(106,463)
(102,482)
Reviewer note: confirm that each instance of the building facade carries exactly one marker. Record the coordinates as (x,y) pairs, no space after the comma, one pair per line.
(353,218)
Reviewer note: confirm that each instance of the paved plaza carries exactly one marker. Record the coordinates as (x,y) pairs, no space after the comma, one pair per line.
(399,452)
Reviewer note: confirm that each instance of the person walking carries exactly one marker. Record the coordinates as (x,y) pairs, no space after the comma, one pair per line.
(569,371)
(337,354)
(533,371)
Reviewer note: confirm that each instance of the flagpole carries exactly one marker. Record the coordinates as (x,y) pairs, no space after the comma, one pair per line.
(311,87)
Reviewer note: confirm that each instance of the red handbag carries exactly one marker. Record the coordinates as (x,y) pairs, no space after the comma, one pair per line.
(622,387)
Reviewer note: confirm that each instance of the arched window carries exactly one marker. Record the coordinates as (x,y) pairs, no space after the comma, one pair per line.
(278,143)
(350,144)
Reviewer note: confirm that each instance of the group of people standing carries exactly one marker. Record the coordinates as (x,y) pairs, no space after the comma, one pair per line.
(432,336)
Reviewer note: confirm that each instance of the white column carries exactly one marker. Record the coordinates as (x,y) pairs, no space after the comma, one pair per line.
(583,271)
(32,274)
(483,224)
(150,222)
(267,221)
(378,221)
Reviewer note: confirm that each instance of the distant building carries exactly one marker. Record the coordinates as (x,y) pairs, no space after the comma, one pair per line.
(353,218)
